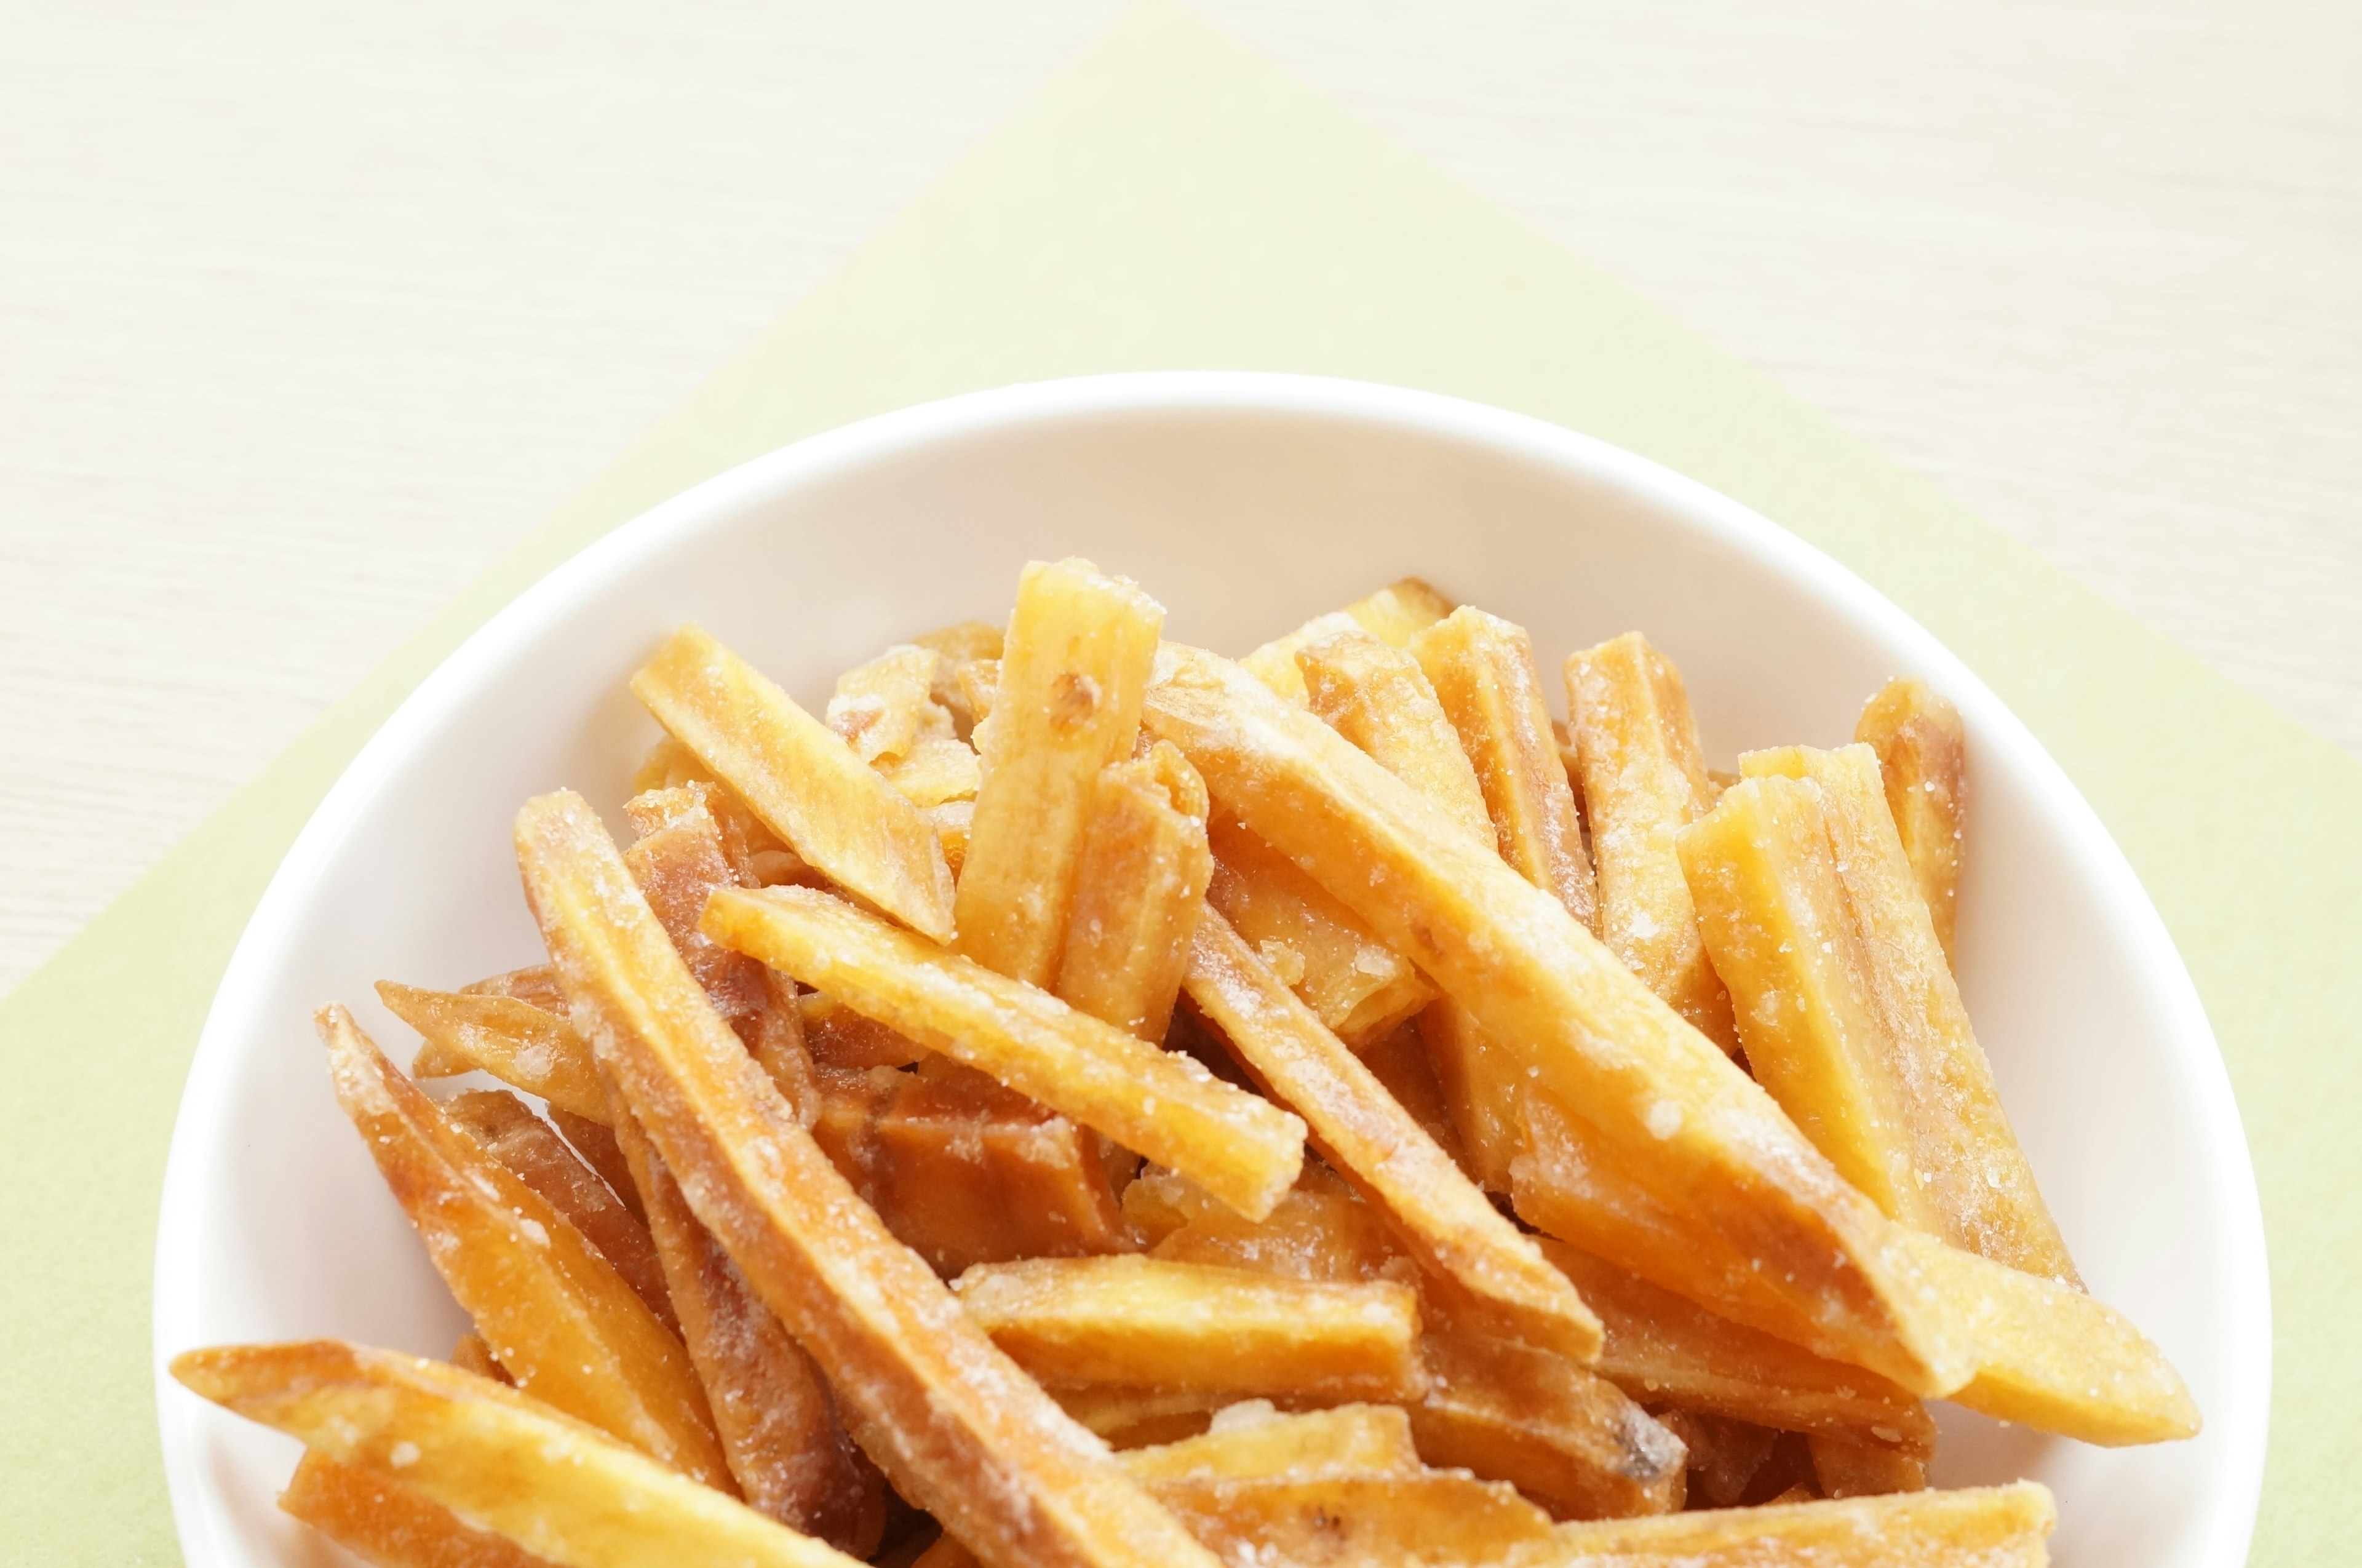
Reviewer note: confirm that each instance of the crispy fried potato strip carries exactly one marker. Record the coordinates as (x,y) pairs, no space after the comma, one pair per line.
(1376,696)
(519,1044)
(1077,658)
(387,1525)
(958,1427)
(1373,1142)
(1989,1526)
(800,779)
(560,1319)
(497,1459)
(1138,893)
(1584,1027)
(1253,1441)
(1923,761)
(1150,1322)
(1643,779)
(1393,614)
(1160,1104)
(1960,1146)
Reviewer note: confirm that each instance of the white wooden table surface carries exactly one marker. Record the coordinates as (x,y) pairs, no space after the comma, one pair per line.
(306,311)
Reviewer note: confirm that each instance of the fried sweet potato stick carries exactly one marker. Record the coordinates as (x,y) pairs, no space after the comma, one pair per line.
(1139,890)
(963,645)
(1643,779)
(803,782)
(1436,1516)
(1987,1527)
(786,1450)
(1393,614)
(1320,1230)
(678,864)
(889,711)
(958,1427)
(532,1150)
(595,1141)
(519,1044)
(1961,1149)
(1923,761)
(1582,1024)
(1773,913)
(1484,673)
(1077,658)
(1149,1322)
(387,1525)
(1376,696)
(1855,1464)
(1252,1442)
(1360,988)
(559,1316)
(535,984)
(497,1459)
(1160,1104)
(1373,1142)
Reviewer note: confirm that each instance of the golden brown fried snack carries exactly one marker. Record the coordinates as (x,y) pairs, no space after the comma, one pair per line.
(788,1452)
(1377,697)
(1072,668)
(677,864)
(963,645)
(1643,780)
(1322,1230)
(839,1037)
(958,1429)
(386,1524)
(535,984)
(1253,1441)
(1987,1527)
(1150,1322)
(1139,890)
(1393,614)
(803,782)
(1961,1149)
(964,1171)
(1484,673)
(1437,1516)
(595,1141)
(1856,1464)
(560,1319)
(529,1147)
(1165,1105)
(1724,1455)
(1374,1143)
(1360,988)
(555,1485)
(1571,1441)
(1664,1098)
(534,1050)
(1923,761)
(890,712)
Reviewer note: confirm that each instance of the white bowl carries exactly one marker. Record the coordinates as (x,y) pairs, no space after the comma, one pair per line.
(1245,503)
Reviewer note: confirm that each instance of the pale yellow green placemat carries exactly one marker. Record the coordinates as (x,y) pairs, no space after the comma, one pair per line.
(1172,200)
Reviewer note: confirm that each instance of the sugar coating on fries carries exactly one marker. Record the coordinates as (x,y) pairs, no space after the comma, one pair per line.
(518,1043)
(955,1426)
(1393,614)
(1160,1104)
(1643,779)
(1961,1149)
(1375,1144)
(1483,671)
(1984,1527)
(557,1316)
(1376,696)
(1139,890)
(381,1522)
(1150,1322)
(1923,760)
(497,1459)
(1073,665)
(800,779)
(1538,983)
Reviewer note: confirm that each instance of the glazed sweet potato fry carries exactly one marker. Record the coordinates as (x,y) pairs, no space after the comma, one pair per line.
(1726,1458)
(1960,1145)
(387,1525)
(678,863)
(1435,1517)
(2050,1357)
(537,985)
(1321,1231)
(1923,761)
(1165,1105)
(1376,696)
(1139,890)
(786,1450)
(1250,1441)
(958,1429)
(1072,669)
(890,712)
(1643,779)
(962,646)
(556,1487)
(1855,1464)
(1773,913)
(1664,1098)
(520,1045)
(595,1141)
(964,1171)
(1484,673)
(1571,1441)
(1137,1418)
(1393,614)
(839,1037)
(1140,1321)
(1361,989)
(1373,1142)
(803,782)
(532,1150)
(559,1316)
(1670,1352)
(1989,1526)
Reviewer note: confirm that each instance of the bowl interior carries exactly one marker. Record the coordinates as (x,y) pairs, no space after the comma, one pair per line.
(1246,505)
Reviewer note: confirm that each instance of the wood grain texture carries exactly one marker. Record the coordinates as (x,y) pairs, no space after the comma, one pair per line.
(305,314)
